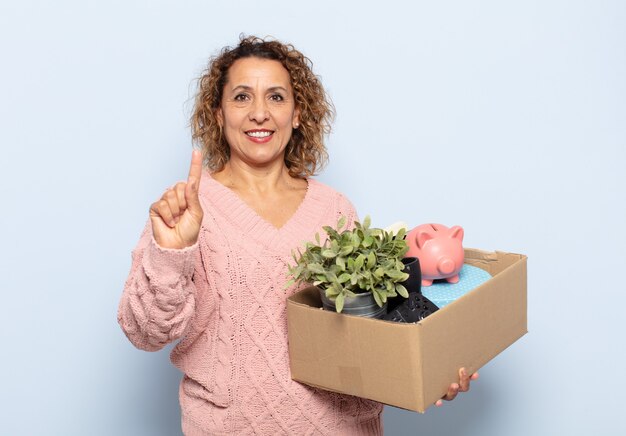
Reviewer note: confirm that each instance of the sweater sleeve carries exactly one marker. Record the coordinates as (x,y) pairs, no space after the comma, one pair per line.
(158,300)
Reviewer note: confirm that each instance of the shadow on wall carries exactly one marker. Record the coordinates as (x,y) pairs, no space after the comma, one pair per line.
(465,415)
(148,401)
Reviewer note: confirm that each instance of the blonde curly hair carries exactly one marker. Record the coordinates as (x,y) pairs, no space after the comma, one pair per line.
(305,153)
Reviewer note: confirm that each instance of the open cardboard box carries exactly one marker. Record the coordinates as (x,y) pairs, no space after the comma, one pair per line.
(409,365)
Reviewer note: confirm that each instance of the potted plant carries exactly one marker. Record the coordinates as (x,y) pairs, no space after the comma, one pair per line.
(356,269)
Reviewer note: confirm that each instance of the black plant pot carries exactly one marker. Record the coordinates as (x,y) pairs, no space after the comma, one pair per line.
(413,309)
(412,267)
(413,284)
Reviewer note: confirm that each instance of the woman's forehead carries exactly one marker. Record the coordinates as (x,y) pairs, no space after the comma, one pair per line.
(252,71)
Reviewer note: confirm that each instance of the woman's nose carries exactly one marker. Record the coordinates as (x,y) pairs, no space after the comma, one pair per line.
(259,111)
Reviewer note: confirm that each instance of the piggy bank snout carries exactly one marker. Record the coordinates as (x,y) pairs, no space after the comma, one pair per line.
(446,265)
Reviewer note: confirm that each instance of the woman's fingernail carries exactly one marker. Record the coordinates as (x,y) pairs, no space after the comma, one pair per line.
(463,372)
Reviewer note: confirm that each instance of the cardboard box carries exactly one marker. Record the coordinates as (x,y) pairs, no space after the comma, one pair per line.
(409,365)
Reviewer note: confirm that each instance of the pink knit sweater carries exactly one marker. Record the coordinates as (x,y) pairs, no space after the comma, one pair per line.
(224,298)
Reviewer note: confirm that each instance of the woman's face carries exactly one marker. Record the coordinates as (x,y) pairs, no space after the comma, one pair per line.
(258,111)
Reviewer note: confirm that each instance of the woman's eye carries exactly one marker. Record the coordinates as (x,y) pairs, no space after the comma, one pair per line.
(241,97)
(276,97)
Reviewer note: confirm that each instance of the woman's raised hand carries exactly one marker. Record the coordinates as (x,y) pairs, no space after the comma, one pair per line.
(177,215)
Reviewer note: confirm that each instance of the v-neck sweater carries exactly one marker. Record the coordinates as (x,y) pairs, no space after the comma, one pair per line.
(224,300)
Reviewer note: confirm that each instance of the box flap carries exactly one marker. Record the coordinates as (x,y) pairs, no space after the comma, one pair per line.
(492,262)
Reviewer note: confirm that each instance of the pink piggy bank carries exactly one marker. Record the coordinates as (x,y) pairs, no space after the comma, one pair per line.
(439,250)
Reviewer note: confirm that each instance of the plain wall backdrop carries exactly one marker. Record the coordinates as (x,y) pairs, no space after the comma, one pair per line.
(508,118)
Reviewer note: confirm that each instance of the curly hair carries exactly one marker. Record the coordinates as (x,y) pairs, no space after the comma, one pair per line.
(305,153)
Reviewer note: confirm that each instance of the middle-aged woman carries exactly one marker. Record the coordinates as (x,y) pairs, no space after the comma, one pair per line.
(211,266)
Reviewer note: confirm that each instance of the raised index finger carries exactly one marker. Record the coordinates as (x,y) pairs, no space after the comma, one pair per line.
(195,170)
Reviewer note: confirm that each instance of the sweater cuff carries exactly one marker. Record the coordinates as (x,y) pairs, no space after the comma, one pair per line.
(166,266)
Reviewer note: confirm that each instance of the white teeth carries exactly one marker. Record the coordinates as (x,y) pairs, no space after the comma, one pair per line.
(259,134)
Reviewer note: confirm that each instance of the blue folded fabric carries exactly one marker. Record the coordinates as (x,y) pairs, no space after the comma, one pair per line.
(441,292)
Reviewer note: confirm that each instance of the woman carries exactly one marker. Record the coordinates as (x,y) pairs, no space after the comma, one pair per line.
(210,268)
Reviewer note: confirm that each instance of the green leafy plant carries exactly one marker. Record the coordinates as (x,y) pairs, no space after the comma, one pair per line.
(353,261)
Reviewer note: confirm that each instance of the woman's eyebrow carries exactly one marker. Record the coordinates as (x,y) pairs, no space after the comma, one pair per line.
(249,88)
(277,88)
(242,88)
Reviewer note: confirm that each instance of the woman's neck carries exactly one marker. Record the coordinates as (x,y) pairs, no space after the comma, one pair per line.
(271,192)
(243,178)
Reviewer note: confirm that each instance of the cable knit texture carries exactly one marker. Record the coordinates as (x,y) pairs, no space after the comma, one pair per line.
(225,300)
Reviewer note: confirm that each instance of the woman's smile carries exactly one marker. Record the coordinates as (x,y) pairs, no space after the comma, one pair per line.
(260,136)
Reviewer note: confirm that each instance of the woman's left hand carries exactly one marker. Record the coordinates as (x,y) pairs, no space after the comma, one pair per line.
(462,386)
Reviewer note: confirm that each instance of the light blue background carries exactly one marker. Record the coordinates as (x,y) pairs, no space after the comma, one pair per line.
(507,118)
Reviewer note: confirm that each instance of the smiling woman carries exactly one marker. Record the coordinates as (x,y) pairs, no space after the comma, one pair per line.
(211,266)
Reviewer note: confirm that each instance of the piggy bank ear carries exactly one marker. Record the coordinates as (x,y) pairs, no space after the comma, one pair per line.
(457,232)
(422,237)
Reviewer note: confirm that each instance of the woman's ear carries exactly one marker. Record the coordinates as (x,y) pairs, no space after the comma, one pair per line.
(295,123)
